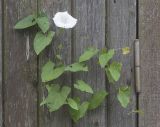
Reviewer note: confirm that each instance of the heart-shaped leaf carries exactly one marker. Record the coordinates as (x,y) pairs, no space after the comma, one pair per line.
(97,99)
(115,70)
(72,103)
(76,67)
(124,95)
(43,23)
(41,41)
(105,57)
(26,22)
(56,97)
(78,114)
(82,86)
(88,54)
(109,76)
(49,72)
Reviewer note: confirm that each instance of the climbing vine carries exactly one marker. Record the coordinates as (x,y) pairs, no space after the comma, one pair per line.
(61,95)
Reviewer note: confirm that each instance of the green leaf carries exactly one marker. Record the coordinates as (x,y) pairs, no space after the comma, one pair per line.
(50,73)
(47,71)
(82,86)
(115,70)
(109,77)
(42,14)
(26,22)
(76,67)
(77,100)
(88,54)
(56,97)
(72,103)
(124,96)
(105,57)
(43,24)
(58,72)
(54,87)
(65,91)
(78,114)
(125,50)
(41,41)
(97,99)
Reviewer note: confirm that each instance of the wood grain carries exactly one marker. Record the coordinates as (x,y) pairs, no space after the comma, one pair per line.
(20,70)
(1,101)
(90,31)
(61,117)
(149,28)
(121,32)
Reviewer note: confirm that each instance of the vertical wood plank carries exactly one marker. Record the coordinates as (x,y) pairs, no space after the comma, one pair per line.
(1,101)
(20,94)
(61,117)
(121,32)
(90,31)
(149,28)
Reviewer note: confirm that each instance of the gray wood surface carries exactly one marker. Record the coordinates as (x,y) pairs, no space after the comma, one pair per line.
(121,32)
(100,22)
(1,101)
(90,31)
(20,91)
(59,118)
(149,29)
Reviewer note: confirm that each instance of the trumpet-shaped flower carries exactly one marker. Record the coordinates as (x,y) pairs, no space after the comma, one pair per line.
(64,20)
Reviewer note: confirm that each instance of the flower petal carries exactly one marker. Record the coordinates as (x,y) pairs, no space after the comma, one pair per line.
(64,20)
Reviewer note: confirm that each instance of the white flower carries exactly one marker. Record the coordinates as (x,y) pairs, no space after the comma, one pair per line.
(64,20)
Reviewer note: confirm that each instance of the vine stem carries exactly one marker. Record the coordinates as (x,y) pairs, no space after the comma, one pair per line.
(57,50)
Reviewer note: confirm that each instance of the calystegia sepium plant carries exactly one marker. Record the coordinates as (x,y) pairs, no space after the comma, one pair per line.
(60,95)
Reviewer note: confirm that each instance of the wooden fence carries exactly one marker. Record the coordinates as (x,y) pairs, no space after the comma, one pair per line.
(110,23)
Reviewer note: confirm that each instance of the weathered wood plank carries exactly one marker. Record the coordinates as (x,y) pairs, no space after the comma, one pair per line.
(90,31)
(149,29)
(59,118)
(121,32)
(1,101)
(20,67)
